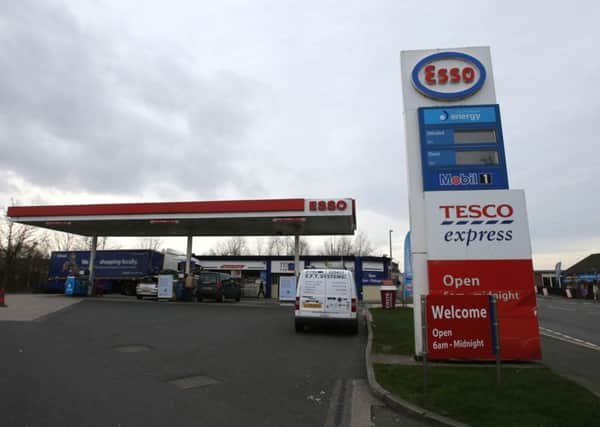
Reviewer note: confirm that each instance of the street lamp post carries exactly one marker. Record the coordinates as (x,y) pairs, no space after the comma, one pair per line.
(391,257)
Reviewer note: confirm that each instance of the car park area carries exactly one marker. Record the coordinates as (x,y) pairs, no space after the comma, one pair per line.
(120,361)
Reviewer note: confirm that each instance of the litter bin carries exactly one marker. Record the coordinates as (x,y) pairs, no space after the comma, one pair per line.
(388,296)
(70,285)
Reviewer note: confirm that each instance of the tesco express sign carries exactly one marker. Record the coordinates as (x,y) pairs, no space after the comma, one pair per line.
(448,76)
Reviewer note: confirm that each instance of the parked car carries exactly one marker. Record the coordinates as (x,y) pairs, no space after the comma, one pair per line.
(326,297)
(218,286)
(147,287)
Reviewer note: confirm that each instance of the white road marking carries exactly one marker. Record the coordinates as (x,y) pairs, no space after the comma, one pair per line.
(560,308)
(566,338)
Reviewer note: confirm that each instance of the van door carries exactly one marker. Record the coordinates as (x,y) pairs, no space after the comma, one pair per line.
(312,292)
(338,293)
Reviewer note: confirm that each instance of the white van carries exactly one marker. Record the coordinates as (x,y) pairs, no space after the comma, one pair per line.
(326,297)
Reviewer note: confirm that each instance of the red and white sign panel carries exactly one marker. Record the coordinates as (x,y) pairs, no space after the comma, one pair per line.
(511,281)
(486,224)
(459,327)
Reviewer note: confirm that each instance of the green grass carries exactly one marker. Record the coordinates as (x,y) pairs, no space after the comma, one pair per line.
(531,396)
(526,397)
(393,331)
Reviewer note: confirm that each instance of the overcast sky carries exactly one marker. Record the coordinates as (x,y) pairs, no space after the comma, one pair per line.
(106,101)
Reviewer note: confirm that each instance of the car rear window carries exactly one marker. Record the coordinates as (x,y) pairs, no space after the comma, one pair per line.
(207,279)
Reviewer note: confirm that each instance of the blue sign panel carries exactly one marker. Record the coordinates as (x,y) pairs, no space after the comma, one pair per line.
(462,148)
(460,115)
(372,278)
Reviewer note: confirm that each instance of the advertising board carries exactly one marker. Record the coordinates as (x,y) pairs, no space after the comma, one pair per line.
(165,286)
(287,288)
(511,282)
(459,327)
(285,266)
(486,224)
(108,264)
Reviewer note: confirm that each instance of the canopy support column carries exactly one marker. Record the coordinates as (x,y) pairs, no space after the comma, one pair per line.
(297,257)
(92,285)
(188,255)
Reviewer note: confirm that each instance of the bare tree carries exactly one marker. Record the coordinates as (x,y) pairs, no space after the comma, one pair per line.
(290,246)
(150,243)
(362,246)
(286,246)
(84,243)
(17,243)
(336,246)
(63,241)
(231,247)
(259,244)
(275,246)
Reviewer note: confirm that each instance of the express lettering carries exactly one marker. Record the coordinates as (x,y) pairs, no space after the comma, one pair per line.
(444,75)
(469,236)
(477,211)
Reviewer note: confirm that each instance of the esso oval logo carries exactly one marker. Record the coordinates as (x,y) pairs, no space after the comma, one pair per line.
(448,76)
(327,205)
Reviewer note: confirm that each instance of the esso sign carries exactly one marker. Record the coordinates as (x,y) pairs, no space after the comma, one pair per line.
(448,76)
(489,211)
(327,205)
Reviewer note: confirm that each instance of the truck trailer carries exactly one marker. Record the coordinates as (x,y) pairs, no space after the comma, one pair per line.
(114,270)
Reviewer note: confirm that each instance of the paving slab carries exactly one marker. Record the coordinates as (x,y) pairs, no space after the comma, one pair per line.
(28,307)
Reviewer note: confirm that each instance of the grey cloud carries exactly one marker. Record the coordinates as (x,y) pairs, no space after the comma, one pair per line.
(77,113)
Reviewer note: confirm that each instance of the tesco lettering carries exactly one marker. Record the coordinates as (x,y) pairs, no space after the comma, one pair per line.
(490,211)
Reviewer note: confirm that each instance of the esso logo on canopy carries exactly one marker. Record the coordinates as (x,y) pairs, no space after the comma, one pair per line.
(448,76)
(327,205)
(489,211)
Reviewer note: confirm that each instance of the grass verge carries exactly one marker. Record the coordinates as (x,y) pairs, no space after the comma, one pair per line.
(526,397)
(393,331)
(530,396)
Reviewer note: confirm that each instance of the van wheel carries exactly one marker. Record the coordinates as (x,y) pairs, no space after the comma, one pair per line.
(354,328)
(198,298)
(299,326)
(237,299)
(139,297)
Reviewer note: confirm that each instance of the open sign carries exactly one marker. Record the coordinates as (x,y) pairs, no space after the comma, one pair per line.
(448,76)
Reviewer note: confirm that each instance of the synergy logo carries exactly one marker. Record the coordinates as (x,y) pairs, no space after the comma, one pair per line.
(448,76)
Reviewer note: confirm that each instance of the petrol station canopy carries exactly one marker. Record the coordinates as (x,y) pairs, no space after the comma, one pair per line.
(199,218)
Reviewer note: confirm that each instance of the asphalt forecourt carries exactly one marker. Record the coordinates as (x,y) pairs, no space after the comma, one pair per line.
(529,393)
(109,363)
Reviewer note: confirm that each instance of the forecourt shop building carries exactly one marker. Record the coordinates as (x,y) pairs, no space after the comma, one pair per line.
(271,217)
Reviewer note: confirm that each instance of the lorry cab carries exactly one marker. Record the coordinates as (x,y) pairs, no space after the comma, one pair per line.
(326,297)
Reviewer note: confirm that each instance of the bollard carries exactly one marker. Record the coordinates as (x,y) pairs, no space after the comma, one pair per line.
(2,303)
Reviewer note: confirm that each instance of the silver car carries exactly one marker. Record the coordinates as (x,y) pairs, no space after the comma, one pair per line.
(148,287)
